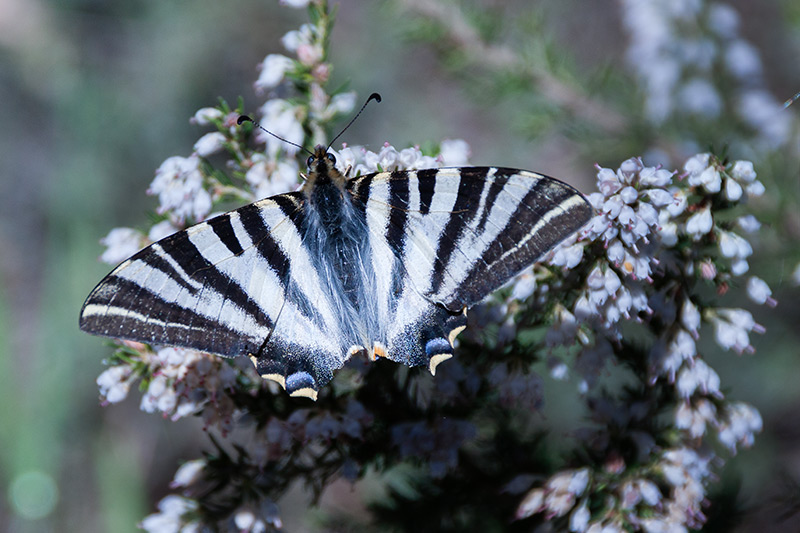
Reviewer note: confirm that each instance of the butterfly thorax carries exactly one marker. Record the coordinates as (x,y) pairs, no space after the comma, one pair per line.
(325,188)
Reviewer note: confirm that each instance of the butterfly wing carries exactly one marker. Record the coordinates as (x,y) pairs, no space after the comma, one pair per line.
(443,239)
(238,284)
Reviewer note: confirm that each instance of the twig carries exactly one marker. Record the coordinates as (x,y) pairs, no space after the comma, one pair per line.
(464,36)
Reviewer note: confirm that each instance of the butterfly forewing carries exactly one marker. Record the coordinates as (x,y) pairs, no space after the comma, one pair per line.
(216,287)
(461,233)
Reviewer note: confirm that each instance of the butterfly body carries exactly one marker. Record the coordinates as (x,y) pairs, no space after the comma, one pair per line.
(385,264)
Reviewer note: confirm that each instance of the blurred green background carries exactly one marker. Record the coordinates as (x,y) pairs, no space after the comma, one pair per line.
(95,95)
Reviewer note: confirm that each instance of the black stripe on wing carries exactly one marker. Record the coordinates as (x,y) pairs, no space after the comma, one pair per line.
(172,293)
(155,321)
(201,270)
(224,230)
(470,188)
(518,245)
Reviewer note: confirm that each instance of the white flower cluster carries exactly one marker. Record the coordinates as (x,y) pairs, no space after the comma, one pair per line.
(257,518)
(686,472)
(628,206)
(285,118)
(184,382)
(121,243)
(358,160)
(177,514)
(676,49)
(677,357)
(640,213)
(647,221)
(180,189)
(630,500)
(171,517)
(270,176)
(558,497)
(739,425)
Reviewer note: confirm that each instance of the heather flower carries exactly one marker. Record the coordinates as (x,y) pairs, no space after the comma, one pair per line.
(257,519)
(188,473)
(179,187)
(579,519)
(121,243)
(690,317)
(629,213)
(172,510)
(569,253)
(739,425)
(695,417)
(755,189)
(273,69)
(564,328)
(743,172)
(732,245)
(362,161)
(558,496)
(733,327)
(681,348)
(284,120)
(531,504)
(209,144)
(454,152)
(748,223)
(115,383)
(709,178)
(206,116)
(733,191)
(342,104)
(700,223)
(524,286)
(759,292)
(697,377)
(295,3)
(268,177)
(305,43)
(160,230)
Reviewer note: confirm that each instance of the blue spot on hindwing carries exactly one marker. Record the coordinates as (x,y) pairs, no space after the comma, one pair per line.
(299,380)
(438,345)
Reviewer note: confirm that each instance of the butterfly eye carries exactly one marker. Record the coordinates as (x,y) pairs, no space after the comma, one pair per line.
(332,158)
(310,161)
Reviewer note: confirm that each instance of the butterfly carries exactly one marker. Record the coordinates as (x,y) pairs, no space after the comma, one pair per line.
(383,264)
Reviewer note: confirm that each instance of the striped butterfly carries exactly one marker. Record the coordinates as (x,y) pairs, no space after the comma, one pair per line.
(385,264)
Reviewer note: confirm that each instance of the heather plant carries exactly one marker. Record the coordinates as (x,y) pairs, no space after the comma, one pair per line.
(623,314)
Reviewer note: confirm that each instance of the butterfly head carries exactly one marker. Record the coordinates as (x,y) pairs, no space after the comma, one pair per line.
(321,161)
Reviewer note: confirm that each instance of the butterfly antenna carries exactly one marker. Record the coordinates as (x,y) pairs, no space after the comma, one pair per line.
(244,118)
(791,100)
(373,96)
